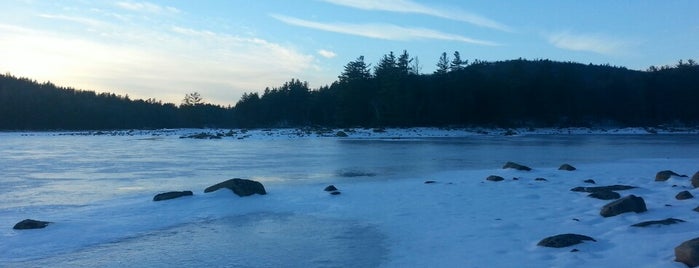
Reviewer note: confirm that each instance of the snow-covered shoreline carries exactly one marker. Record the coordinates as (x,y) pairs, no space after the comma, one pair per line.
(375,133)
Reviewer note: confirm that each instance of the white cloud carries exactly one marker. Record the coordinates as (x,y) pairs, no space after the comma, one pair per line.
(327,53)
(595,43)
(146,7)
(382,31)
(407,6)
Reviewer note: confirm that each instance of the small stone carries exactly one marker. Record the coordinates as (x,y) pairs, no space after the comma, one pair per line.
(666,174)
(567,167)
(574,250)
(564,240)
(605,195)
(540,179)
(171,195)
(335,192)
(684,195)
(330,188)
(430,182)
(495,178)
(30,224)
(516,166)
(590,181)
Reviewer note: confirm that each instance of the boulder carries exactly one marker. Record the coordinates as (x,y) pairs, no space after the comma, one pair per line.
(241,187)
(615,187)
(30,224)
(629,203)
(688,252)
(605,195)
(567,167)
(495,178)
(330,188)
(667,221)
(564,240)
(516,166)
(666,174)
(684,195)
(695,180)
(171,195)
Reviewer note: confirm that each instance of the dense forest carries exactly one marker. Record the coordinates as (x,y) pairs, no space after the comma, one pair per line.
(514,93)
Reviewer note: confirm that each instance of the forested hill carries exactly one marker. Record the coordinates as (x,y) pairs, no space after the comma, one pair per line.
(515,93)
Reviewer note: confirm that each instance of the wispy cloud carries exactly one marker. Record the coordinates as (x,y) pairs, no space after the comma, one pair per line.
(146,7)
(327,53)
(595,43)
(407,6)
(381,31)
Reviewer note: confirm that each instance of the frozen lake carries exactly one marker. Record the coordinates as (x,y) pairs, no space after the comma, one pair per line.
(98,191)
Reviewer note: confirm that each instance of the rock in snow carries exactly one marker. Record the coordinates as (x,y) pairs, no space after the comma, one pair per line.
(330,188)
(629,203)
(241,187)
(684,195)
(30,224)
(688,252)
(695,180)
(667,221)
(516,166)
(605,195)
(171,195)
(595,189)
(495,178)
(564,240)
(567,167)
(666,174)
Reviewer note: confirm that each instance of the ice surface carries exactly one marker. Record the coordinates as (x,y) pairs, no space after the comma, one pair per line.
(98,191)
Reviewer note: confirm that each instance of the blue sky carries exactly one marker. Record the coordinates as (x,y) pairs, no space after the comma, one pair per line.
(165,49)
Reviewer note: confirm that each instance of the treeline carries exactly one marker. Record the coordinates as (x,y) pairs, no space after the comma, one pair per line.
(515,93)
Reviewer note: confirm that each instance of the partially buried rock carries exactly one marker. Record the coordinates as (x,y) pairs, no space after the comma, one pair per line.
(695,180)
(330,188)
(615,187)
(684,195)
(629,203)
(516,166)
(430,182)
(495,178)
(564,240)
(171,195)
(667,221)
(688,252)
(567,167)
(666,174)
(590,181)
(540,179)
(335,192)
(605,195)
(30,224)
(241,187)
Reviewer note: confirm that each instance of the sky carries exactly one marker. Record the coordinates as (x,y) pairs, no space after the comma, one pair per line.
(165,49)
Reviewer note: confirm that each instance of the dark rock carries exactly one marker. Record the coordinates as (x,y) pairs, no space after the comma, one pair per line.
(430,182)
(540,179)
(341,134)
(515,179)
(605,195)
(494,178)
(688,252)
(616,187)
(564,240)
(335,192)
(666,174)
(684,195)
(241,187)
(695,180)
(574,250)
(629,203)
(590,181)
(330,188)
(171,195)
(667,221)
(566,167)
(30,224)
(516,166)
